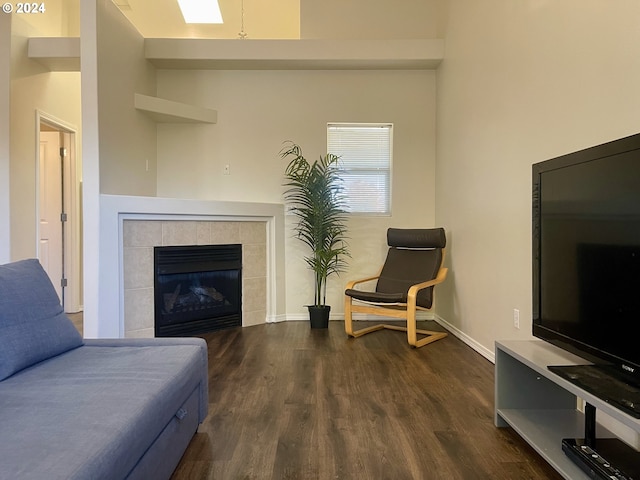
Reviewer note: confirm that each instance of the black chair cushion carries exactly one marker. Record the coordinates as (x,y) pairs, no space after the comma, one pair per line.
(404,268)
(416,237)
(377,297)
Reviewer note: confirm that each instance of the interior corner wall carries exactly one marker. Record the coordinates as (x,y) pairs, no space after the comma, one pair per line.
(521,82)
(369,19)
(259,110)
(5,89)
(91,243)
(33,88)
(127,137)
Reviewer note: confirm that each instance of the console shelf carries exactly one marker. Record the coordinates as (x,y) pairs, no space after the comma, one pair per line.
(542,407)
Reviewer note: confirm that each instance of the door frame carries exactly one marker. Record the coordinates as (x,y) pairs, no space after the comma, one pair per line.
(72,198)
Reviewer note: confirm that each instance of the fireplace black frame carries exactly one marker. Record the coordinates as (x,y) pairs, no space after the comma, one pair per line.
(187,259)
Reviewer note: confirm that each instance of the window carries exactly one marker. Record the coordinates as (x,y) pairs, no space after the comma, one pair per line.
(365,164)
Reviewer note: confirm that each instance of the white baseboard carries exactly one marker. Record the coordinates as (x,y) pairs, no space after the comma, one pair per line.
(276,318)
(297,317)
(485,352)
(74,309)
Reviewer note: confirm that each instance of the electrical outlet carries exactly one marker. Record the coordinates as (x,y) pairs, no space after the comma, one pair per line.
(516,318)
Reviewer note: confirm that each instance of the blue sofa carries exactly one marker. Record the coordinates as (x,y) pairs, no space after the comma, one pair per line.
(89,409)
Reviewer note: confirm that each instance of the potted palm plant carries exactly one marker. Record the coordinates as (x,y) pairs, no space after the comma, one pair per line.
(313,195)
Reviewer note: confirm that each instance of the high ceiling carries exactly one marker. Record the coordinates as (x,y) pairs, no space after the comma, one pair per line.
(262,19)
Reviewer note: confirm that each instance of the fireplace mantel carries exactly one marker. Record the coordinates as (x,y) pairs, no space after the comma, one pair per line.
(115,209)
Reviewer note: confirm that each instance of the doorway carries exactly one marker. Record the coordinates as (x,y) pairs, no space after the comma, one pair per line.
(59,218)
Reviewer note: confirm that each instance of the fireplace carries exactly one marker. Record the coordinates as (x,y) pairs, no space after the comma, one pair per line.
(197,289)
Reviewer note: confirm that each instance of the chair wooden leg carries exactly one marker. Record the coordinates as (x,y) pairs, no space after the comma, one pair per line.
(411,328)
(364,331)
(348,321)
(348,317)
(430,337)
(412,336)
(412,332)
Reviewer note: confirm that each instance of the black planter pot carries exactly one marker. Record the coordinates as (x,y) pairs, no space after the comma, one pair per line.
(319,315)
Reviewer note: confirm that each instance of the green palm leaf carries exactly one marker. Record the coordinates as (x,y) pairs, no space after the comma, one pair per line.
(313,193)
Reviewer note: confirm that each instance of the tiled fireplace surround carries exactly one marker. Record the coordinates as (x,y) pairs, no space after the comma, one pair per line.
(141,236)
(131,226)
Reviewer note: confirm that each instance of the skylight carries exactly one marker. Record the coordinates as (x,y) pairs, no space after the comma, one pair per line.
(200,11)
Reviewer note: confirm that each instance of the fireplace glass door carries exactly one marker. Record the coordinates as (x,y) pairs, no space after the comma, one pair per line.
(198,289)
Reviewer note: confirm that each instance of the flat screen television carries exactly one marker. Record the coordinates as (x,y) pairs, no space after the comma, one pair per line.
(586,257)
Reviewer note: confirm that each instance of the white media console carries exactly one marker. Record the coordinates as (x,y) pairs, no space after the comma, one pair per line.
(541,406)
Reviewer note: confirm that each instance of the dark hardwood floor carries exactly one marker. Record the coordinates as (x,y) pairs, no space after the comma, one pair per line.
(77,320)
(288,402)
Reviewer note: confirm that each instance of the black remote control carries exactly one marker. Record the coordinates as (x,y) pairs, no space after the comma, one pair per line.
(591,462)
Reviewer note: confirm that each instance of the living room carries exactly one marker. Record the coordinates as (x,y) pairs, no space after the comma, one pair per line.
(519,82)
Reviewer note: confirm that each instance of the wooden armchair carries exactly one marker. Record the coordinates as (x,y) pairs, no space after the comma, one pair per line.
(405,284)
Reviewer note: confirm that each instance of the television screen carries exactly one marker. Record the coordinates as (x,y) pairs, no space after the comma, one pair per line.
(586,253)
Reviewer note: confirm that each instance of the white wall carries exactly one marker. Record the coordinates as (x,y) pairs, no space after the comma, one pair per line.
(5,89)
(119,142)
(521,82)
(60,18)
(33,88)
(91,240)
(369,19)
(127,136)
(259,110)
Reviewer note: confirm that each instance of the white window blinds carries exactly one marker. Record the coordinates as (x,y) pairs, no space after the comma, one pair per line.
(365,164)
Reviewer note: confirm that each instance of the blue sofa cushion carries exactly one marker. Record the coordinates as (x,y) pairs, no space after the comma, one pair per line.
(33,326)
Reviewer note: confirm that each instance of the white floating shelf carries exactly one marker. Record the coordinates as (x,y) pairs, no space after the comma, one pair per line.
(304,54)
(63,54)
(58,54)
(168,111)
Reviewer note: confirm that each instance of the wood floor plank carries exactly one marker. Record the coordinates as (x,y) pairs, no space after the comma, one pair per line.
(289,402)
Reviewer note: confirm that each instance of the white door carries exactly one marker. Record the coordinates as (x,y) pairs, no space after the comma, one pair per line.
(50,244)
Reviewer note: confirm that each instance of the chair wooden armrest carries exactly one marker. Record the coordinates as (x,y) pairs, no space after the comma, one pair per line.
(413,291)
(353,283)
